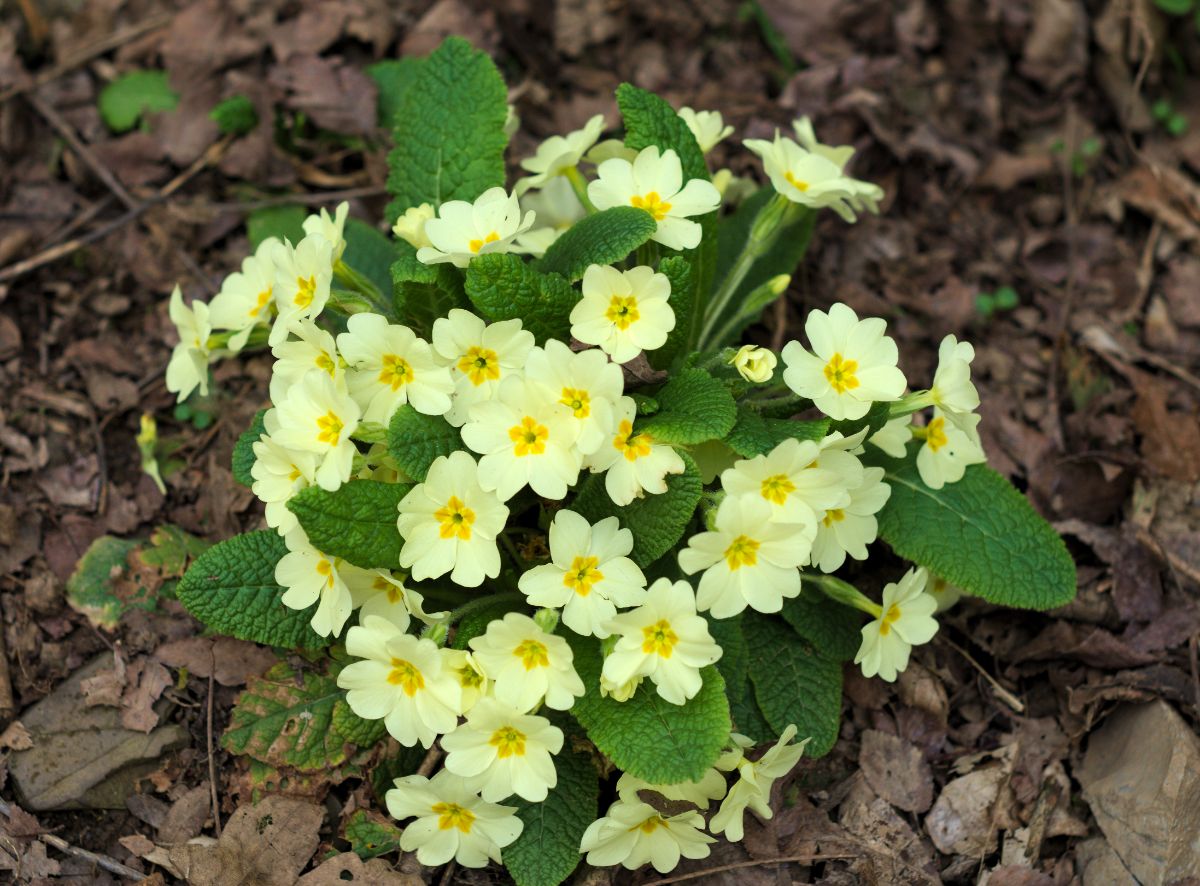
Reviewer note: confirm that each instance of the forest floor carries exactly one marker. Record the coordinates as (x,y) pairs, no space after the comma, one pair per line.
(1042,168)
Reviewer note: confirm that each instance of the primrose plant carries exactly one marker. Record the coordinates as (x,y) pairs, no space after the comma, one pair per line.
(531,505)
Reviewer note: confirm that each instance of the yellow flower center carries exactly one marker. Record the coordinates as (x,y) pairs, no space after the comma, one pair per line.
(260,302)
(659,638)
(889,618)
(632,446)
(329,428)
(796,183)
(451,815)
(477,245)
(652,203)
(508,742)
(469,678)
(395,371)
(479,364)
(839,372)
(578,400)
(650,825)
(407,676)
(532,654)
(325,362)
(935,434)
(582,575)
(529,437)
(833,515)
(622,311)
(306,291)
(777,488)
(455,519)
(325,569)
(742,551)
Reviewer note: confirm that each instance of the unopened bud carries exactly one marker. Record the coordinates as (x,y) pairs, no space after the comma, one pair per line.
(546,619)
(755,364)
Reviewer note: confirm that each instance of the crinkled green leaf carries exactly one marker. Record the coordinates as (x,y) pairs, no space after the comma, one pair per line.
(656,521)
(285,222)
(126,99)
(416,440)
(423,293)
(693,407)
(449,136)
(370,253)
(103,586)
(243,449)
(734,666)
(231,588)
(394,77)
(793,683)
(835,630)
(979,534)
(356,522)
(503,287)
(284,718)
(353,728)
(679,271)
(754,435)
(547,851)
(647,736)
(371,836)
(601,239)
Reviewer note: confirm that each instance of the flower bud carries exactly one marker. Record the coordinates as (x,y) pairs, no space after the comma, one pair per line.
(756,364)
(411,225)
(621,692)
(546,619)
(437,632)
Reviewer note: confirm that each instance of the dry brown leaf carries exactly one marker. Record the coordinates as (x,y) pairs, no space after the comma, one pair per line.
(349,867)
(16,737)
(230,662)
(896,771)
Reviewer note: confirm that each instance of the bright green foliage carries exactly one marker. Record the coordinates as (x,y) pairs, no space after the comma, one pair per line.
(357,522)
(371,836)
(393,77)
(503,287)
(734,666)
(169,550)
(370,253)
(601,239)
(979,534)
(243,450)
(126,99)
(548,849)
(231,588)
(679,271)
(235,115)
(449,138)
(647,736)
(793,683)
(694,407)
(835,630)
(422,293)
(656,521)
(285,222)
(354,728)
(415,440)
(754,435)
(285,718)
(103,586)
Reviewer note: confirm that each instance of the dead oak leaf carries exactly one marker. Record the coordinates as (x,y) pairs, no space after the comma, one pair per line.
(335,95)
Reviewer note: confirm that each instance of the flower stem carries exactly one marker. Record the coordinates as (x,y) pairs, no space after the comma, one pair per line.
(364,286)
(910,403)
(579,186)
(845,593)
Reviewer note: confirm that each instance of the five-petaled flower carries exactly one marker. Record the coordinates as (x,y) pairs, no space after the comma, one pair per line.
(527,664)
(905,620)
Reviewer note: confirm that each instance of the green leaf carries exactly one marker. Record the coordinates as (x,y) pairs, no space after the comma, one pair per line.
(978,533)
(656,521)
(694,407)
(449,137)
(835,630)
(285,222)
(126,99)
(503,287)
(475,621)
(647,736)
(236,115)
(1175,7)
(394,77)
(231,588)
(601,239)
(370,253)
(356,522)
(793,683)
(548,849)
(284,718)
(877,416)
(734,666)
(422,293)
(370,836)
(243,449)
(354,728)
(754,435)
(398,762)
(104,586)
(416,440)
(679,271)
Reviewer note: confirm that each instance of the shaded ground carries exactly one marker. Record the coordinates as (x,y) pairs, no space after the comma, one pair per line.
(1018,147)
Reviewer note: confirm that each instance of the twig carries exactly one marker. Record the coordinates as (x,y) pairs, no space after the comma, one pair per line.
(212,763)
(109,864)
(89,52)
(431,760)
(1005,696)
(67,131)
(447,873)
(8,705)
(783,859)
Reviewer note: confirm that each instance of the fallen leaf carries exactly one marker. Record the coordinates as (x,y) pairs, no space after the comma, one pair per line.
(961,821)
(1057,46)
(349,867)
(146,681)
(230,662)
(16,737)
(336,95)
(896,771)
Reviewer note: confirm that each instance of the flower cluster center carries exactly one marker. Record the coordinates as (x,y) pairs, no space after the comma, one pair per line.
(532,654)
(407,676)
(632,446)
(777,488)
(742,551)
(451,815)
(659,638)
(582,575)
(622,311)
(508,742)
(528,437)
(329,428)
(652,203)
(395,371)
(578,401)
(480,364)
(476,245)
(455,519)
(839,372)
